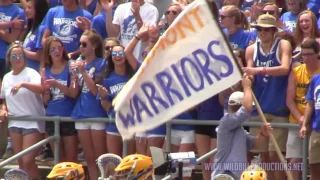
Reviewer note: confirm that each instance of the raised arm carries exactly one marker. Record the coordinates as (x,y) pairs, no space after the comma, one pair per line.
(113,30)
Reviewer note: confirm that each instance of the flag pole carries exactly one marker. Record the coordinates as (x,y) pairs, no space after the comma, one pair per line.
(273,140)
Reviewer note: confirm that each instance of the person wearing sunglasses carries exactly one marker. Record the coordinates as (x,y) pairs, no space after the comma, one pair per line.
(299,81)
(169,16)
(21,92)
(109,43)
(35,11)
(67,22)
(235,26)
(91,134)
(269,61)
(306,29)
(290,18)
(60,96)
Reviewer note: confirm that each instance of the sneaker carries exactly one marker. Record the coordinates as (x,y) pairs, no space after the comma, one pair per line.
(81,156)
(46,154)
(8,153)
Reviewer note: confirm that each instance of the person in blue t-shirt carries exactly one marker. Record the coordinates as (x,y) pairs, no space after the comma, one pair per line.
(88,69)
(235,26)
(11,29)
(289,18)
(269,61)
(99,22)
(120,68)
(311,124)
(60,96)
(35,12)
(51,3)
(67,23)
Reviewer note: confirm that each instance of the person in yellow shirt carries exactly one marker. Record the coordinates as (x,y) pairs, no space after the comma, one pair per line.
(298,83)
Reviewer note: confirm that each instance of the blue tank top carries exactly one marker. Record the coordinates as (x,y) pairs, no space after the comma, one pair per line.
(270,91)
(59,104)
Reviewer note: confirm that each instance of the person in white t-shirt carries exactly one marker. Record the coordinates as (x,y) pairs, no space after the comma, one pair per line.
(21,91)
(128,19)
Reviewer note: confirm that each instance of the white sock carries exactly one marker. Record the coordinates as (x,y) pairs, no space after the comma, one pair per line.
(9,145)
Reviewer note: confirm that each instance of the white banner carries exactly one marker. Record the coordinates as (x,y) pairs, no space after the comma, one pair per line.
(190,63)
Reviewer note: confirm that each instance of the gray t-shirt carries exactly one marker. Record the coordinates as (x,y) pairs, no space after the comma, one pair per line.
(233,143)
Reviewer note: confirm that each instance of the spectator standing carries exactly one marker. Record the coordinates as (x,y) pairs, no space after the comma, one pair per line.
(21,90)
(60,97)
(299,80)
(269,61)
(290,18)
(11,29)
(128,19)
(35,11)
(67,23)
(311,115)
(91,134)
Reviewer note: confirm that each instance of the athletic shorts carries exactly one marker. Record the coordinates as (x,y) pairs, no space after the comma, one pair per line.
(66,128)
(90,125)
(206,130)
(182,137)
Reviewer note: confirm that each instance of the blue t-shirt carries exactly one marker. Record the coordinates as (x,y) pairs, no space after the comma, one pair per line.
(63,25)
(60,104)
(32,42)
(290,21)
(99,24)
(7,14)
(92,6)
(88,106)
(189,115)
(313,94)
(270,91)
(238,39)
(210,109)
(114,84)
(54,3)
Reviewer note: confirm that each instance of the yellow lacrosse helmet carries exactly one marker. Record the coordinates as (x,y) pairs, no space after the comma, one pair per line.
(67,170)
(254,172)
(134,166)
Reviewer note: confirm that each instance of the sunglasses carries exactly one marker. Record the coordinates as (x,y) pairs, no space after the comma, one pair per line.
(15,57)
(83,44)
(263,29)
(55,49)
(117,53)
(268,12)
(108,48)
(173,12)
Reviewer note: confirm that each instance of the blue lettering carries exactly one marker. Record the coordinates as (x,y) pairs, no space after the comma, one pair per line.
(193,67)
(140,106)
(129,118)
(152,96)
(222,58)
(205,67)
(181,80)
(166,86)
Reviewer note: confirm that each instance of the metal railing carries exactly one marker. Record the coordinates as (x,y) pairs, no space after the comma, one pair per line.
(56,136)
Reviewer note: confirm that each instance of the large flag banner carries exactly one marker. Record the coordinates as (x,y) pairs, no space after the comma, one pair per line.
(190,63)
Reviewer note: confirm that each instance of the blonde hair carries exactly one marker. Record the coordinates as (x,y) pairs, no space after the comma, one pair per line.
(14,45)
(239,16)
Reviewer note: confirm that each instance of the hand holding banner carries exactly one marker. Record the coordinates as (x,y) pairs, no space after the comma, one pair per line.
(190,63)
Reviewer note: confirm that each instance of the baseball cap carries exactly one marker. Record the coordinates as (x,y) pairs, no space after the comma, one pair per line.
(236,98)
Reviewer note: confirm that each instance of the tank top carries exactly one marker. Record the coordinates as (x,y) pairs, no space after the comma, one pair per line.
(270,91)
(302,79)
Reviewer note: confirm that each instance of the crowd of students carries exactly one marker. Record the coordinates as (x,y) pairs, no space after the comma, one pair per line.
(71,58)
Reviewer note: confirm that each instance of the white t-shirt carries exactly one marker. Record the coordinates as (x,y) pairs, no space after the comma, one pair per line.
(25,102)
(123,17)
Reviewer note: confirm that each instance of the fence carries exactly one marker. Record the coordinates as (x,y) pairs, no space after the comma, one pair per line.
(56,137)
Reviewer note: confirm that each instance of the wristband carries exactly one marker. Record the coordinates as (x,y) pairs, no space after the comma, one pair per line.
(137,37)
(11,24)
(263,70)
